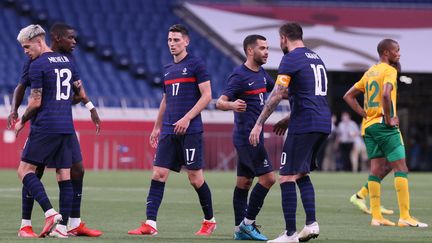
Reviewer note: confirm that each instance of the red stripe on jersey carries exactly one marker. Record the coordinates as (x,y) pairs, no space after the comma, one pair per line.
(255,91)
(180,80)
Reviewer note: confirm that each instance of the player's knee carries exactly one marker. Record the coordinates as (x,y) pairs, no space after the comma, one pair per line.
(77,171)
(159,175)
(267,180)
(245,183)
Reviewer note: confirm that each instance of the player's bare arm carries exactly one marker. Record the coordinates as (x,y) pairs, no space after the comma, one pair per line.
(81,96)
(272,102)
(182,125)
(154,136)
(224,104)
(17,99)
(386,101)
(281,126)
(35,101)
(350,99)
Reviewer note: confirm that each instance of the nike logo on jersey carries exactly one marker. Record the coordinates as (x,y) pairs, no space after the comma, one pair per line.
(251,83)
(166,74)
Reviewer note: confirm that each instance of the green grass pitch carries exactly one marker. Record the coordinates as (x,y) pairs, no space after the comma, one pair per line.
(114,202)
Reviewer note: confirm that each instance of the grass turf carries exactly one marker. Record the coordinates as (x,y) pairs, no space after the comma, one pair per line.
(114,202)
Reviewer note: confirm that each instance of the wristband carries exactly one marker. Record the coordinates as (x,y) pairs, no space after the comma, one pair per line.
(89,105)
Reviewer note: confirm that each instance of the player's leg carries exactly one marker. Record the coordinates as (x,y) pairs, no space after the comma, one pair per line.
(65,201)
(260,166)
(288,175)
(26,229)
(240,197)
(26,173)
(165,158)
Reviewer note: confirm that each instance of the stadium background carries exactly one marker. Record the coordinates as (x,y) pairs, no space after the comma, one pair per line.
(122,49)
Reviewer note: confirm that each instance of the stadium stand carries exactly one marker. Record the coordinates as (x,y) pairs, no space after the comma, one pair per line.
(122,46)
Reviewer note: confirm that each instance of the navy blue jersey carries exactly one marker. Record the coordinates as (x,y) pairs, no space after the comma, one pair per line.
(182,92)
(55,74)
(307,90)
(252,87)
(24,76)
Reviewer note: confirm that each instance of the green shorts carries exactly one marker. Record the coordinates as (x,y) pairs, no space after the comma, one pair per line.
(382,141)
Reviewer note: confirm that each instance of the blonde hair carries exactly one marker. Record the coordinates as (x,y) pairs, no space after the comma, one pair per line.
(30,32)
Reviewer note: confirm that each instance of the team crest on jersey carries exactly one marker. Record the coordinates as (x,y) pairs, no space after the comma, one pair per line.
(184,71)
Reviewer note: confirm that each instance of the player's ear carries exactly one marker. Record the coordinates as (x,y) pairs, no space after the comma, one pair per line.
(187,40)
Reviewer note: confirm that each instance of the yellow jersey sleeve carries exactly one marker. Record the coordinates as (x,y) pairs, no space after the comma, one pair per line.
(360,85)
(283,80)
(390,76)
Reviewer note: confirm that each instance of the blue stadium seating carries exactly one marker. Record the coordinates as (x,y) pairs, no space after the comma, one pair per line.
(133,29)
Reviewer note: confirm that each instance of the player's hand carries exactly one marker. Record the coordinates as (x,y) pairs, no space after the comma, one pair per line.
(95,118)
(12,119)
(18,127)
(181,126)
(281,127)
(154,138)
(254,135)
(394,122)
(239,105)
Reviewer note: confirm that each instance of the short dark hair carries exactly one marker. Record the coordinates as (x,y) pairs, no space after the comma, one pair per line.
(293,31)
(385,45)
(179,28)
(59,29)
(250,40)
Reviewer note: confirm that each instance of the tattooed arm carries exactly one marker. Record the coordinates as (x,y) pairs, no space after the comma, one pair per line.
(34,103)
(272,102)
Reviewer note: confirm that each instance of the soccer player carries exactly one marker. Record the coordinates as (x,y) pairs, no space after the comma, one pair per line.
(63,41)
(245,94)
(51,77)
(177,132)
(302,75)
(380,131)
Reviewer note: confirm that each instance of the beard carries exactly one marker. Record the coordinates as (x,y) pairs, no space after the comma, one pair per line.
(285,50)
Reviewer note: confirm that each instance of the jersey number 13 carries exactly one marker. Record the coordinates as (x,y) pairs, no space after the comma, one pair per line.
(63,80)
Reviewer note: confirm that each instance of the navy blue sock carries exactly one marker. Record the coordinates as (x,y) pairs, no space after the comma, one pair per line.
(154,199)
(27,198)
(27,204)
(308,198)
(240,204)
(256,201)
(35,187)
(289,205)
(205,199)
(76,202)
(66,196)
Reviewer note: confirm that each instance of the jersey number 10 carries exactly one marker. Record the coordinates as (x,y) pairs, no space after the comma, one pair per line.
(320,79)
(66,75)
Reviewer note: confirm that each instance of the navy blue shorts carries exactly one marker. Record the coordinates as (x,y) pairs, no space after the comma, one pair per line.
(252,161)
(51,150)
(173,151)
(300,152)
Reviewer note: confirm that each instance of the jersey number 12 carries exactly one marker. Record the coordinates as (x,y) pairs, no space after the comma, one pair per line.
(63,80)
(320,79)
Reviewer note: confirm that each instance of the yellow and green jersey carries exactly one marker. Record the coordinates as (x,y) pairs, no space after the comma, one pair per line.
(372,85)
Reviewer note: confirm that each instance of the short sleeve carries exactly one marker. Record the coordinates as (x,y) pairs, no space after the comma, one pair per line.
(233,88)
(24,80)
(201,73)
(270,82)
(390,76)
(360,85)
(36,75)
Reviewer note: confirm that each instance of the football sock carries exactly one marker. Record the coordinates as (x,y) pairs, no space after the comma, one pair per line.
(74,222)
(289,205)
(374,184)
(66,196)
(256,200)
(363,192)
(25,222)
(308,198)
(205,199)
(152,223)
(154,199)
(76,201)
(240,204)
(36,188)
(401,186)
(28,200)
